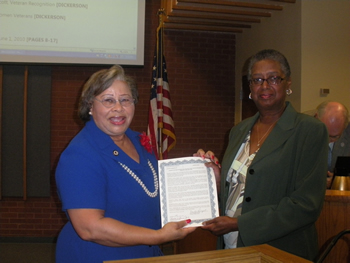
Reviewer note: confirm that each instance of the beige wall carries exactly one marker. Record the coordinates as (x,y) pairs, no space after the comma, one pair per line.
(325,45)
(314,35)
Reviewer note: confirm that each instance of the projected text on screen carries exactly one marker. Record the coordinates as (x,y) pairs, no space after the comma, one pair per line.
(89,31)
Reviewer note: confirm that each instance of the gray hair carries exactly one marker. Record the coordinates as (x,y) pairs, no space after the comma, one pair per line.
(272,55)
(98,83)
(323,107)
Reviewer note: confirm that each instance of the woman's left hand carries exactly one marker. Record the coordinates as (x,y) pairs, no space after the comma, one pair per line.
(175,230)
(221,225)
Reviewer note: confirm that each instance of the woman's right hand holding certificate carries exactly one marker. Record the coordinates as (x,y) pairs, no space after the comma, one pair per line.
(214,163)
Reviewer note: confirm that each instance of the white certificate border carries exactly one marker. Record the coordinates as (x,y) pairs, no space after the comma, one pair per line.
(212,189)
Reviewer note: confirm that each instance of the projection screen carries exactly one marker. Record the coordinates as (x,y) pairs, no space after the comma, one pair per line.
(72,32)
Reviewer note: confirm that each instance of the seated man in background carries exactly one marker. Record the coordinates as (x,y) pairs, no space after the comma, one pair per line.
(336,117)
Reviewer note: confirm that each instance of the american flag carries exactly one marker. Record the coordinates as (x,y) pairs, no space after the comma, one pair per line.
(160,119)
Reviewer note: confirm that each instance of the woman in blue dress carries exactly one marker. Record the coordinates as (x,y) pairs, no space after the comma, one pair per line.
(107,180)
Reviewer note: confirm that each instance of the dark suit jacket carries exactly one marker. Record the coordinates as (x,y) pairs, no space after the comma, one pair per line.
(341,147)
(285,184)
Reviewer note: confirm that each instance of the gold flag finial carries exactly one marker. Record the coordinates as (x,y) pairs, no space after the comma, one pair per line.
(160,14)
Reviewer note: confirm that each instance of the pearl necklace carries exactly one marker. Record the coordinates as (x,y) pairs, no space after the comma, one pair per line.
(257,128)
(155,193)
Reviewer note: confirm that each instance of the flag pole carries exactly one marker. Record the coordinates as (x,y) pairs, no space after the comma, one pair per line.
(160,119)
(160,69)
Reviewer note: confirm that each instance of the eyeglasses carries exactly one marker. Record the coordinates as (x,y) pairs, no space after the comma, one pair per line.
(275,80)
(111,102)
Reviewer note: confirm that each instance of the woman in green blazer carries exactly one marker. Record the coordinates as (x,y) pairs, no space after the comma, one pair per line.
(272,176)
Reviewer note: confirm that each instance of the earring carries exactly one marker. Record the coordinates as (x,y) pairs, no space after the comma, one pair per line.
(90,113)
(289,91)
(250,96)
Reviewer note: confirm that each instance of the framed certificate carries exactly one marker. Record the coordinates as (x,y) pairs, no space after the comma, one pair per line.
(187,191)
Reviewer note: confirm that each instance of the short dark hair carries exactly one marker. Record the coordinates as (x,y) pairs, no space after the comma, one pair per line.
(272,55)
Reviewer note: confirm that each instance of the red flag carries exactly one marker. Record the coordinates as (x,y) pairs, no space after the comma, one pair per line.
(160,119)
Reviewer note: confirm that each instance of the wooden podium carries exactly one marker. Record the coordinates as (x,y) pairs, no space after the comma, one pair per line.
(200,246)
(254,254)
(334,218)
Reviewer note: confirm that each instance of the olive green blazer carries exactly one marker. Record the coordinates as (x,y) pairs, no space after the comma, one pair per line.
(285,184)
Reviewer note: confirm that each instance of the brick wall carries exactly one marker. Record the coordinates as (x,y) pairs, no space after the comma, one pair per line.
(201,79)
